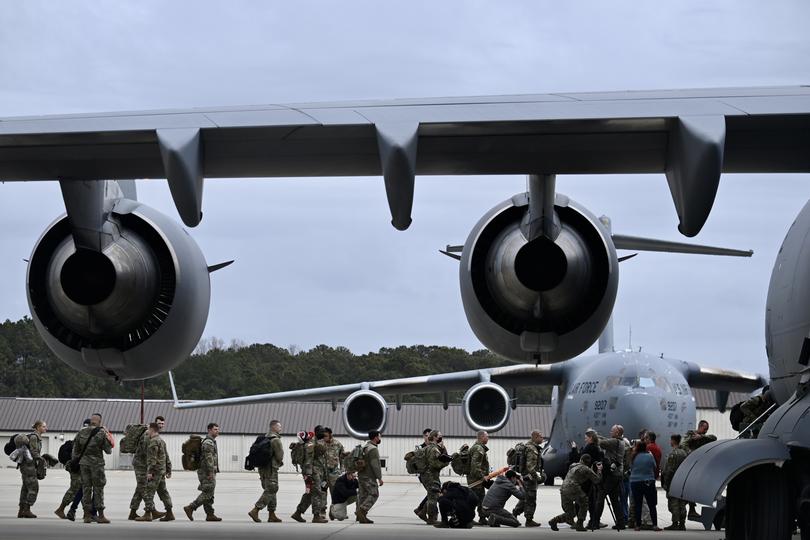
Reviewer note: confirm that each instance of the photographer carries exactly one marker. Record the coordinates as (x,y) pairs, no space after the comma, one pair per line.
(573,498)
(495,500)
(457,506)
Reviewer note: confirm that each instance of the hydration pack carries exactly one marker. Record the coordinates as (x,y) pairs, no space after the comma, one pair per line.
(461,461)
(132,436)
(192,453)
(260,454)
(356,460)
(65,452)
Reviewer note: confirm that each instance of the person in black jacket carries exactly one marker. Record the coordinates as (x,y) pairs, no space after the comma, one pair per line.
(457,506)
(592,449)
(343,494)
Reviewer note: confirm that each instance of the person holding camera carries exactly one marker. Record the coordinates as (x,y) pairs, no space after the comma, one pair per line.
(572,495)
(505,486)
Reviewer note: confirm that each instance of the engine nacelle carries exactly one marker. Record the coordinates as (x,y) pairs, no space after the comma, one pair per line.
(552,297)
(132,311)
(364,411)
(486,407)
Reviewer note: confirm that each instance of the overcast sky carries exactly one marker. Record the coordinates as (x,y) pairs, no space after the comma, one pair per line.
(317,260)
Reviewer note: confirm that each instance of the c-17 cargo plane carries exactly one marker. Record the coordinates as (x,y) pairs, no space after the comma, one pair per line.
(118,290)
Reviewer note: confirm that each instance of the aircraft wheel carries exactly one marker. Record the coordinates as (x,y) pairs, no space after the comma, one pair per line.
(758,505)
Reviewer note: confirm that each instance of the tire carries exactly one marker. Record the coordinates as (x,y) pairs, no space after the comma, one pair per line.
(758,505)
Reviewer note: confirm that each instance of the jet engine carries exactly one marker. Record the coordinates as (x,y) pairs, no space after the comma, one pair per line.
(364,411)
(486,407)
(132,310)
(544,300)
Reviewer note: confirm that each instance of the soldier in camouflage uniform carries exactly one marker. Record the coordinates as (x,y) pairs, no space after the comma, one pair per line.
(28,469)
(91,443)
(532,476)
(158,468)
(430,476)
(368,492)
(207,475)
(72,496)
(334,457)
(752,409)
(611,483)
(479,468)
(139,466)
(677,507)
(315,479)
(269,476)
(692,441)
(573,497)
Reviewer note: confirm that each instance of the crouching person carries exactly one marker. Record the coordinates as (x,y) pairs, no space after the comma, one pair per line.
(344,493)
(457,505)
(495,500)
(573,498)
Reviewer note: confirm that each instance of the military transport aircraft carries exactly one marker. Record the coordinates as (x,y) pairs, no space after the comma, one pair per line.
(118,290)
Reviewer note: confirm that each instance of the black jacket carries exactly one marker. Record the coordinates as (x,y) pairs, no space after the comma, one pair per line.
(457,505)
(344,488)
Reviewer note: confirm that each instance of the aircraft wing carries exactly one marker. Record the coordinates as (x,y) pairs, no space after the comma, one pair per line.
(691,135)
(507,377)
(722,381)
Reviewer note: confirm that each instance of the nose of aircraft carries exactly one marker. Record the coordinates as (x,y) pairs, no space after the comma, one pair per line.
(636,411)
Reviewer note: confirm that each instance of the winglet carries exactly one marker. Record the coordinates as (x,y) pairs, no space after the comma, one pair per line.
(174,391)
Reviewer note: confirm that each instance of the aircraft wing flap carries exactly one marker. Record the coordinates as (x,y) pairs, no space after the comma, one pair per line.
(724,380)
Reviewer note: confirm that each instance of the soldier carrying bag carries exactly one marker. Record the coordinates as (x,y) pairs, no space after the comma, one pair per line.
(73,464)
(11,445)
(516,458)
(461,461)
(356,460)
(260,454)
(416,460)
(132,436)
(192,453)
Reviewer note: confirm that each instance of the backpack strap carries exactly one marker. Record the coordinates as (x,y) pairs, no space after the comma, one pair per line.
(86,444)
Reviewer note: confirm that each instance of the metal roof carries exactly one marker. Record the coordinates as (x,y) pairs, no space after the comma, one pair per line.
(64,414)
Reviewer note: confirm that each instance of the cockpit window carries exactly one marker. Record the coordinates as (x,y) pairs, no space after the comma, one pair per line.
(646,382)
(629,381)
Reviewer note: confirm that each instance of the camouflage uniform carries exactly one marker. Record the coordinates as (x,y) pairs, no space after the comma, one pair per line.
(75,486)
(572,496)
(92,466)
(677,507)
(753,409)
(533,475)
(612,479)
(688,444)
(139,466)
(368,491)
(334,456)
(430,479)
(158,465)
(28,470)
(314,467)
(479,468)
(269,474)
(207,475)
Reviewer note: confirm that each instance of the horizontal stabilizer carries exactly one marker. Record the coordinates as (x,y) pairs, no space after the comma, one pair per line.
(637,243)
(213,268)
(452,251)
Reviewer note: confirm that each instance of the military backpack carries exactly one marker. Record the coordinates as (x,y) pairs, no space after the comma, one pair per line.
(132,436)
(11,445)
(736,417)
(416,460)
(260,454)
(355,461)
(192,453)
(461,461)
(516,458)
(65,452)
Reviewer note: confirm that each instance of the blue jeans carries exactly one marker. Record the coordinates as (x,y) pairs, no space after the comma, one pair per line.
(645,490)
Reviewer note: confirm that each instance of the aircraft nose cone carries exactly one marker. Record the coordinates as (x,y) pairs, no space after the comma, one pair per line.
(636,412)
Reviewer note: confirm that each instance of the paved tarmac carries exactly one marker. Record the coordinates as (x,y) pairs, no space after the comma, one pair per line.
(235,495)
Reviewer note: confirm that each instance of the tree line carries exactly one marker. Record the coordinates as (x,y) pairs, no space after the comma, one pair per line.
(216,370)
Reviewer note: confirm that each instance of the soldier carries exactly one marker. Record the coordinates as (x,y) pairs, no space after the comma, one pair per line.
(479,468)
(677,507)
(573,498)
(420,509)
(139,466)
(29,449)
(89,447)
(73,495)
(592,449)
(436,460)
(752,410)
(158,468)
(611,484)
(532,476)
(207,475)
(334,457)
(315,479)
(505,486)
(269,476)
(692,441)
(368,477)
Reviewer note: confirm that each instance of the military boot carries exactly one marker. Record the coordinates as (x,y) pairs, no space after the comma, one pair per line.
(553,524)
(431,520)
(157,515)
(189,512)
(87,518)
(319,519)
(531,523)
(60,512)
(133,515)
(147,516)
(580,526)
(169,515)
(100,518)
(19,512)
(212,517)
(362,517)
(273,518)
(25,512)
(673,527)
(297,517)
(254,515)
(421,514)
(71,515)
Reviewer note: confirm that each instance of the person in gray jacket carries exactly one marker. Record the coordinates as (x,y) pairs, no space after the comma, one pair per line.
(495,500)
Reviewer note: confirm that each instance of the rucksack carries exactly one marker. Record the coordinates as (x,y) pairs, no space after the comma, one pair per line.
(461,461)
(356,460)
(736,416)
(65,452)
(192,453)
(516,458)
(11,445)
(297,453)
(260,453)
(132,436)
(416,460)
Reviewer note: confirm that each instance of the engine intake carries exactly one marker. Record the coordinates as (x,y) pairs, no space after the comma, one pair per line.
(131,311)
(546,296)
(364,411)
(486,407)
